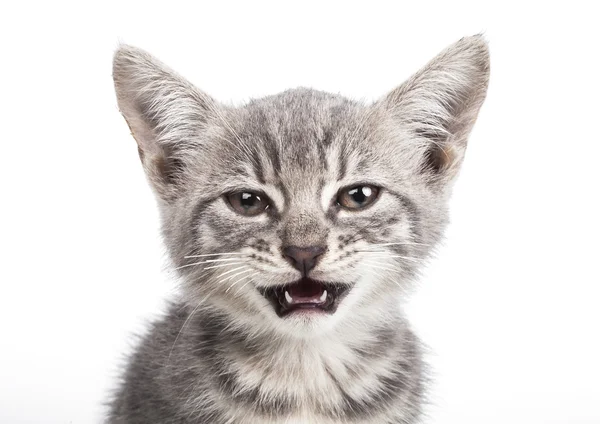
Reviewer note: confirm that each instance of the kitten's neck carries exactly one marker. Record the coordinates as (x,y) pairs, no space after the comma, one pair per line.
(334,371)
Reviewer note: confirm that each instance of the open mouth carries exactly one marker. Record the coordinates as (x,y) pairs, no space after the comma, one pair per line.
(305,294)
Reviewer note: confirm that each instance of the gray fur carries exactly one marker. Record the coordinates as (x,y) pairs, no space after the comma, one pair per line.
(221,354)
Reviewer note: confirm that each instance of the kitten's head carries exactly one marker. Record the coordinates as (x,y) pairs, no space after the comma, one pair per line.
(299,211)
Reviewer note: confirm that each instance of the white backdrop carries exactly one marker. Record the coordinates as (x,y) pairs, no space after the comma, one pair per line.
(510,307)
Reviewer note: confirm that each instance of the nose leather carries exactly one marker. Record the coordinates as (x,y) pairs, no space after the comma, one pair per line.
(304,259)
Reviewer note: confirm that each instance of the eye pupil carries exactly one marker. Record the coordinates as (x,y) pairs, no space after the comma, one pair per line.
(360,194)
(248,200)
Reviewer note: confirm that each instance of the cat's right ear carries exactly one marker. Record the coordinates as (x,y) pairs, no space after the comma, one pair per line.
(165,114)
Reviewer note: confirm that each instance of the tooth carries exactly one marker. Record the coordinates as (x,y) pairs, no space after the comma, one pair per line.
(323,296)
(288,297)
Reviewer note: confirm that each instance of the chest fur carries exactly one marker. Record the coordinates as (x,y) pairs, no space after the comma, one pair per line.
(298,383)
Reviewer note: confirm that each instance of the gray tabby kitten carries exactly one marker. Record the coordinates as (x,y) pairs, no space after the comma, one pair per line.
(297,222)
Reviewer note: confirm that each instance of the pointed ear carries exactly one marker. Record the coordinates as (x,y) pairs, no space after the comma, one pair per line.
(165,114)
(439,105)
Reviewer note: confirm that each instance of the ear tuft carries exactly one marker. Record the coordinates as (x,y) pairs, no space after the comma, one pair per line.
(439,104)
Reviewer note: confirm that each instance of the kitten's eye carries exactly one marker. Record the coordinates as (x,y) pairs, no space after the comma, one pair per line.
(357,197)
(248,203)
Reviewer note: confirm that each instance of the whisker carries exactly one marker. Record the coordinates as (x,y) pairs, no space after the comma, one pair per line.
(390,256)
(224,265)
(234,275)
(183,326)
(208,261)
(212,254)
(248,282)
(188,265)
(209,267)
(237,281)
(232,270)
(410,243)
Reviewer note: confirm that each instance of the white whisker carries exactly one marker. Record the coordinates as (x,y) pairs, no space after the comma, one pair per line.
(212,254)
(248,282)
(403,243)
(237,281)
(210,267)
(224,265)
(208,261)
(233,270)
(183,326)
(247,269)
(188,265)
(379,256)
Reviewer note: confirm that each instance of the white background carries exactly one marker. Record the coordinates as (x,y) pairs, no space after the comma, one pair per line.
(510,307)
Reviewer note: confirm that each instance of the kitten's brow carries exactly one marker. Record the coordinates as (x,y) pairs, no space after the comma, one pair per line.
(245,148)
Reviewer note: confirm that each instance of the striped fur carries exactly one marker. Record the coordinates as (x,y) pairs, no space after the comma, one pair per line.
(221,354)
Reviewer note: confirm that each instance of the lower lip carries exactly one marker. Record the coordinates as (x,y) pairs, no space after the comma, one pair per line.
(304,311)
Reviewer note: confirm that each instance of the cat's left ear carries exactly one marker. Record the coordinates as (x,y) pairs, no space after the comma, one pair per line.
(439,105)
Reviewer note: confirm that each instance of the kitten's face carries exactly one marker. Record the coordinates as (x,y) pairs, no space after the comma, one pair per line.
(302,210)
(313,216)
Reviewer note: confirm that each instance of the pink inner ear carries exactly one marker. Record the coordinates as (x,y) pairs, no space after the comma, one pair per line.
(439,158)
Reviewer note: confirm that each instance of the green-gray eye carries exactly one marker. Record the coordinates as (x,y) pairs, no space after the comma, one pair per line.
(357,197)
(248,203)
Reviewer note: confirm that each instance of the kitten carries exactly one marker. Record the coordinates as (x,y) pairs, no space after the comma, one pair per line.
(296,223)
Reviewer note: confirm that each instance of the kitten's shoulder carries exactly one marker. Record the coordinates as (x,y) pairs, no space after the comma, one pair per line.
(143,393)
